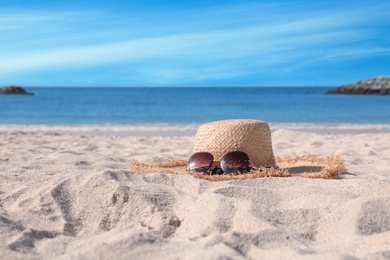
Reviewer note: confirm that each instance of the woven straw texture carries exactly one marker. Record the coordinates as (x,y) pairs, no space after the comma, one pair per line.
(252,137)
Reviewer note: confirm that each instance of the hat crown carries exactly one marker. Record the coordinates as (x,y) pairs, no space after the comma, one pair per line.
(250,136)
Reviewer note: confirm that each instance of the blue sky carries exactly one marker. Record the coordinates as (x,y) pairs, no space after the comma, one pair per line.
(193,43)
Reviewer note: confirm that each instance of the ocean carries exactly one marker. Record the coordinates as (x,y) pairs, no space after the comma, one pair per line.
(189,105)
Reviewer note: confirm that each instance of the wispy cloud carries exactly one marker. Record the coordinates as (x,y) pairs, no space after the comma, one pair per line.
(355,53)
(179,48)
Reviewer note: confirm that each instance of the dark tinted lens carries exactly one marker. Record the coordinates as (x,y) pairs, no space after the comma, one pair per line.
(235,162)
(200,162)
(217,171)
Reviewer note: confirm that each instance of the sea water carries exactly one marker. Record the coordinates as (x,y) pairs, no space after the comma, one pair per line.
(189,105)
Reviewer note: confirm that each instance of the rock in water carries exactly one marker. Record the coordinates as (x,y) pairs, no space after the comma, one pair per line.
(14,90)
(374,86)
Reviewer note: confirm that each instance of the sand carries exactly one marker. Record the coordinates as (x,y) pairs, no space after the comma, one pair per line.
(68,193)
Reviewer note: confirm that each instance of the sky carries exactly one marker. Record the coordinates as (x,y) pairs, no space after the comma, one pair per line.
(193,43)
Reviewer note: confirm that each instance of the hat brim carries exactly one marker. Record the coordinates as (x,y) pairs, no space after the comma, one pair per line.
(307,166)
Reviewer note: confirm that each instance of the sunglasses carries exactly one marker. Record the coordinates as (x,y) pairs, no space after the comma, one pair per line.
(231,163)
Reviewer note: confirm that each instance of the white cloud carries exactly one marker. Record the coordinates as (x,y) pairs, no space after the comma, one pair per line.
(354,53)
(205,46)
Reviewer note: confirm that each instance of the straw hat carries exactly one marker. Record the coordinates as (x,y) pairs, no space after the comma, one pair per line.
(252,137)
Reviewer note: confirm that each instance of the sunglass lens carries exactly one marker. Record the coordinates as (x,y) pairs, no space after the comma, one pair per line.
(235,162)
(217,171)
(200,162)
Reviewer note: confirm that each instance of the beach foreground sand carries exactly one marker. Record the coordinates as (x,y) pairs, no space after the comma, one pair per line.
(70,195)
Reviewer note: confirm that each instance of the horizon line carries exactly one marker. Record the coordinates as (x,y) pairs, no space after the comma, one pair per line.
(178,86)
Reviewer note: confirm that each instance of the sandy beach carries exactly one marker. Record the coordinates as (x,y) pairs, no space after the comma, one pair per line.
(68,193)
